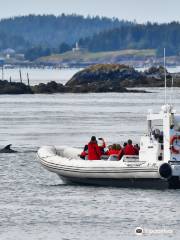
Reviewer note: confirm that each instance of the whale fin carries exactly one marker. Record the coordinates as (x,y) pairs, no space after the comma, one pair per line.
(7,149)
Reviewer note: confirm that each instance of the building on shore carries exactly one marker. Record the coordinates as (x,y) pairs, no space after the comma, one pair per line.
(78,49)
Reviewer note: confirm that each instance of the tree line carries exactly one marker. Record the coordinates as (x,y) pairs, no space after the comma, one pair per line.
(50,30)
(43,35)
(137,36)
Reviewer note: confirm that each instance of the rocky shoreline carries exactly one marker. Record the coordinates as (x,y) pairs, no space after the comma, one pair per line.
(97,79)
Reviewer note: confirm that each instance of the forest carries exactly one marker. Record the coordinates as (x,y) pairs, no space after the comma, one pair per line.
(41,35)
(137,36)
(50,30)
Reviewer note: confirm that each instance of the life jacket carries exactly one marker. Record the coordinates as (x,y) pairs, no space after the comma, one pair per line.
(83,154)
(130,150)
(136,150)
(120,154)
(94,152)
(113,152)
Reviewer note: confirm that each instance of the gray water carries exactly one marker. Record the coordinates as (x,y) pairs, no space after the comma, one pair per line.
(39,75)
(36,204)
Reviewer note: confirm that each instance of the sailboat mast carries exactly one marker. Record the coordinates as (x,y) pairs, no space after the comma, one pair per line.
(165,77)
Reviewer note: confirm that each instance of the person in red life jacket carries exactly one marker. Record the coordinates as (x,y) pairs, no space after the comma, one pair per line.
(109,147)
(129,149)
(94,152)
(102,145)
(120,151)
(84,153)
(137,148)
(113,150)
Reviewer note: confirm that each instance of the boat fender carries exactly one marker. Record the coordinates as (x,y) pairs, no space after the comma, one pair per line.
(173,149)
(165,170)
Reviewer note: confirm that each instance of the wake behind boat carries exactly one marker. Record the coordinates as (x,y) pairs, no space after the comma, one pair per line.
(157,165)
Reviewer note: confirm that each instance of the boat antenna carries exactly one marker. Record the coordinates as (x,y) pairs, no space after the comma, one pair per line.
(172,88)
(165,77)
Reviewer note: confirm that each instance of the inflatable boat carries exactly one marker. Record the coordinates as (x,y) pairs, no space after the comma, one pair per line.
(157,165)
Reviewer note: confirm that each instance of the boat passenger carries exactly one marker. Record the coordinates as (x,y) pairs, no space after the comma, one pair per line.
(84,153)
(158,135)
(109,147)
(120,151)
(118,147)
(125,144)
(102,145)
(129,149)
(113,150)
(137,148)
(94,152)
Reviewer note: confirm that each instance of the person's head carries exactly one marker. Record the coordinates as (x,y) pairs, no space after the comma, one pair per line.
(129,142)
(137,146)
(114,146)
(125,144)
(85,147)
(93,139)
(110,147)
(100,143)
(118,147)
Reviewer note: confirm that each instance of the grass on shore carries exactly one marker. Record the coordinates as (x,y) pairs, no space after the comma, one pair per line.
(98,56)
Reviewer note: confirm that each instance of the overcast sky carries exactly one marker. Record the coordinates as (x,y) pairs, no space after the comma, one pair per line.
(140,10)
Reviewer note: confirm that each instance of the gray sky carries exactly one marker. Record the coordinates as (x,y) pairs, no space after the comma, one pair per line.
(141,10)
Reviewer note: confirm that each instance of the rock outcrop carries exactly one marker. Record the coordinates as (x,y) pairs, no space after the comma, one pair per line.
(14,88)
(51,87)
(97,78)
(116,77)
(104,74)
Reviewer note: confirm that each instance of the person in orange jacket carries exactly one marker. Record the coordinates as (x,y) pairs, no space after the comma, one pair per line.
(129,149)
(94,152)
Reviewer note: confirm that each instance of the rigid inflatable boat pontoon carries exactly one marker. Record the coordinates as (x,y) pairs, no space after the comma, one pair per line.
(158,163)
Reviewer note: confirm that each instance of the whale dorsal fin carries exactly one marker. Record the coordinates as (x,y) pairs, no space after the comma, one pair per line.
(8,147)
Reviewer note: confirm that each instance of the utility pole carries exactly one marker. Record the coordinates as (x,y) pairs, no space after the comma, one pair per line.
(20,75)
(28,79)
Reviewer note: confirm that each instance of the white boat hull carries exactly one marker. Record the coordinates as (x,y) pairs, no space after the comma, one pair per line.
(65,162)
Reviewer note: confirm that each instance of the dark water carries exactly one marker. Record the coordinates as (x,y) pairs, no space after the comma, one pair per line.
(36,204)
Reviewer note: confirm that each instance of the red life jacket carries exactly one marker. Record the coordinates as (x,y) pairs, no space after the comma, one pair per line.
(113,152)
(94,152)
(136,150)
(83,155)
(129,150)
(120,154)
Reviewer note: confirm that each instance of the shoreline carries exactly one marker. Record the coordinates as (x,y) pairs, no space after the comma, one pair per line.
(100,78)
